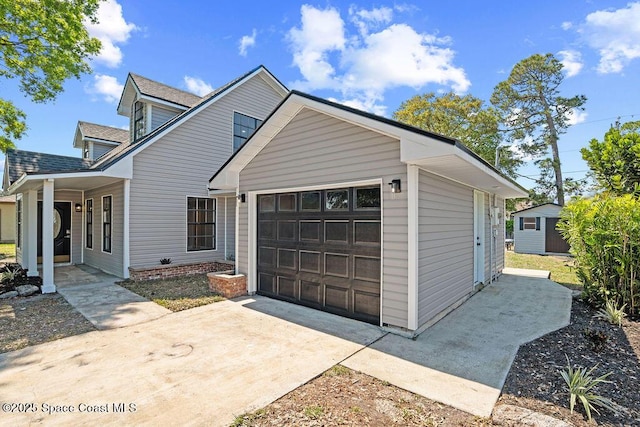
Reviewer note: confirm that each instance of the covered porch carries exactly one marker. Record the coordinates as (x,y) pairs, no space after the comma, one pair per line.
(57,227)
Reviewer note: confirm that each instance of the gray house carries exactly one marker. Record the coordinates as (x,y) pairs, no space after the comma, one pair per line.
(535,232)
(137,196)
(362,216)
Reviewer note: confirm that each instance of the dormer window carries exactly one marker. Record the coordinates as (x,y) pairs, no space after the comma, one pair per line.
(243,127)
(138,120)
(85,150)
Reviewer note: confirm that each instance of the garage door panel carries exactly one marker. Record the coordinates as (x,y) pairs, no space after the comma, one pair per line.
(322,249)
(266,283)
(287,286)
(311,292)
(310,261)
(366,268)
(287,259)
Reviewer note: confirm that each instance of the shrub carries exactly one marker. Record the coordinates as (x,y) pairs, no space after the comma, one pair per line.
(604,235)
(611,313)
(580,383)
(165,261)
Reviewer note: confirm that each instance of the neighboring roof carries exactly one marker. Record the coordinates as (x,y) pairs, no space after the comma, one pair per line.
(19,162)
(268,130)
(104,133)
(536,207)
(162,91)
(8,199)
(123,150)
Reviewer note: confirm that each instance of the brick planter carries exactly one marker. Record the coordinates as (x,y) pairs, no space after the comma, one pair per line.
(228,285)
(175,270)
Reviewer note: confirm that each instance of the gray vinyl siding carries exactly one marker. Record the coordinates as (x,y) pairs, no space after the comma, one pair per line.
(180,165)
(319,150)
(161,115)
(109,262)
(445,244)
(101,149)
(533,241)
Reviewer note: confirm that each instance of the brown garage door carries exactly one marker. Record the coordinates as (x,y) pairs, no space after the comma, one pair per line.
(554,242)
(322,249)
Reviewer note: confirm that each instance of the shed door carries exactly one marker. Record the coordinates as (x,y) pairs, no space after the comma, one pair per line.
(554,242)
(322,249)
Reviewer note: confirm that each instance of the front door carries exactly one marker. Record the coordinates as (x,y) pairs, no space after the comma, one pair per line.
(61,232)
(478,237)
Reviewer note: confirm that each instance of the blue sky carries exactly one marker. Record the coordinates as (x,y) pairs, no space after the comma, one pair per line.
(368,55)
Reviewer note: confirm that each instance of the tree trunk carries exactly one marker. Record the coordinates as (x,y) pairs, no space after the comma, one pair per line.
(553,142)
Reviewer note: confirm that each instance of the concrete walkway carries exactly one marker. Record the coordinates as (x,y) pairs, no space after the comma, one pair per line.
(464,359)
(97,297)
(206,365)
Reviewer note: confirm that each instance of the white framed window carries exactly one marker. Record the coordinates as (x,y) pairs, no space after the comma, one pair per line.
(201,224)
(138,120)
(243,128)
(529,223)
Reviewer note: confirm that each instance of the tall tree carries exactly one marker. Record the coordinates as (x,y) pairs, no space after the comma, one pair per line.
(534,113)
(465,118)
(615,161)
(42,44)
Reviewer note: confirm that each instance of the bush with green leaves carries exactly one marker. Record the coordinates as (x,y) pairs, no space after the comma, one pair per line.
(580,383)
(604,235)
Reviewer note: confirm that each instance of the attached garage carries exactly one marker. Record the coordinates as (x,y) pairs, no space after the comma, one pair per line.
(362,216)
(535,231)
(321,248)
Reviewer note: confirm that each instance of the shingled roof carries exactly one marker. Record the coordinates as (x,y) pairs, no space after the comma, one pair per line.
(161,91)
(104,133)
(19,162)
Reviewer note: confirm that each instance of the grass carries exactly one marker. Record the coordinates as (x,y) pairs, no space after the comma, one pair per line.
(314,412)
(7,250)
(177,294)
(561,267)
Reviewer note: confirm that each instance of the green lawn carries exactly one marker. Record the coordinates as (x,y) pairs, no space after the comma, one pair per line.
(561,267)
(180,293)
(7,250)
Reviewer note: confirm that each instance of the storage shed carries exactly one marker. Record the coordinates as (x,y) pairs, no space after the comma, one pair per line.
(535,231)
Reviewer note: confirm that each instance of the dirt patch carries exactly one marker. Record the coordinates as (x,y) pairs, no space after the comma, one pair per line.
(342,397)
(38,319)
(534,382)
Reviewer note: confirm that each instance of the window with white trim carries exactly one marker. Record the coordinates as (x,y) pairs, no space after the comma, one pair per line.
(201,224)
(529,223)
(138,120)
(243,128)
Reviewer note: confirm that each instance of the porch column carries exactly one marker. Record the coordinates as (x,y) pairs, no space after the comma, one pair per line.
(30,245)
(48,285)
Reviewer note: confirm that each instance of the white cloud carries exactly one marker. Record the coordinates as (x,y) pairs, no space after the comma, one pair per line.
(566,25)
(575,116)
(616,36)
(197,86)
(365,63)
(111,30)
(571,62)
(247,42)
(107,87)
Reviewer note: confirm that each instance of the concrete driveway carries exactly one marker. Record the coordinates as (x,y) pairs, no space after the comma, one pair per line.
(206,365)
(197,367)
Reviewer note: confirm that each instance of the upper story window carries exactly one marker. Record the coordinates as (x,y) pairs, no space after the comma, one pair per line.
(243,127)
(85,150)
(138,120)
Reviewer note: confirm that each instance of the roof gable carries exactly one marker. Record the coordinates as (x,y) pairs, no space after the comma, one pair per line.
(125,149)
(538,207)
(138,86)
(436,153)
(100,133)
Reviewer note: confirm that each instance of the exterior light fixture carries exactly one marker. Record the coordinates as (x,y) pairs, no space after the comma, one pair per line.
(242,198)
(395,186)
(78,207)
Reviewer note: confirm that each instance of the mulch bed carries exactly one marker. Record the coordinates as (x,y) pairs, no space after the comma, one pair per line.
(534,381)
(38,319)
